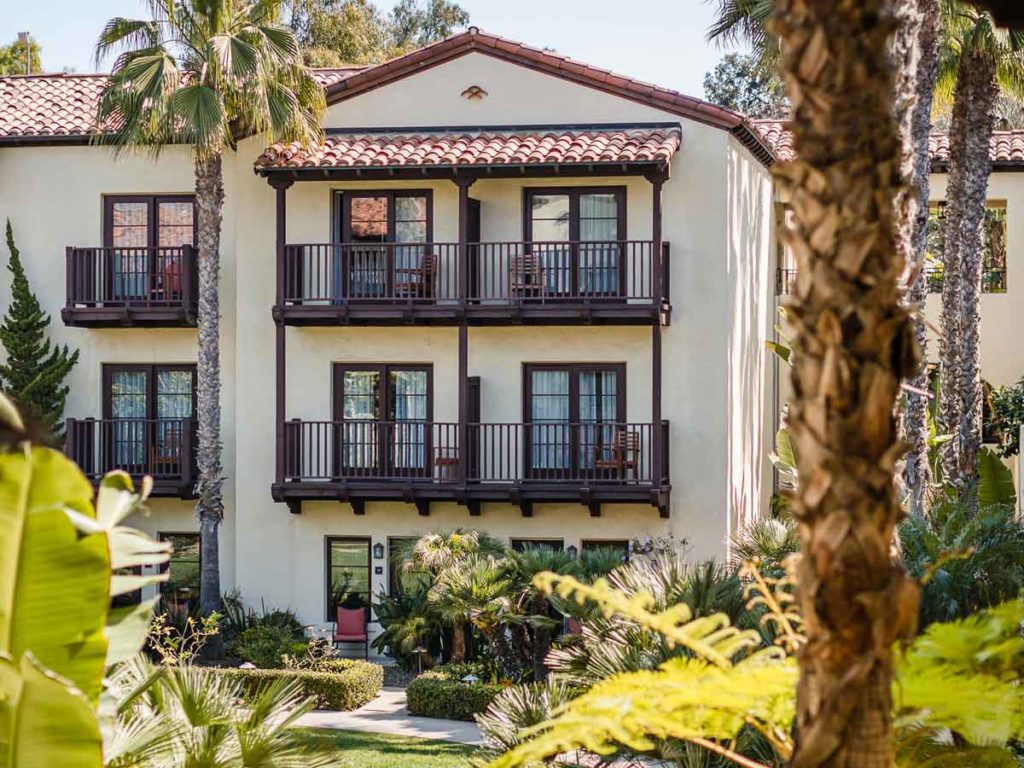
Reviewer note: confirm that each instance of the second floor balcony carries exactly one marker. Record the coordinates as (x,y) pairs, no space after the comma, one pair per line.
(495,282)
(131,286)
(160,448)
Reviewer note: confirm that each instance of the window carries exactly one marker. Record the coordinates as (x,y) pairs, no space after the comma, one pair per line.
(993,276)
(401,579)
(383,232)
(149,408)
(348,574)
(575,231)
(384,412)
(518,545)
(573,412)
(145,233)
(618,546)
(181,590)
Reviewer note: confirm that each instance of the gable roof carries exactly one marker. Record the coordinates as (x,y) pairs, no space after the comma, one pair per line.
(1006,147)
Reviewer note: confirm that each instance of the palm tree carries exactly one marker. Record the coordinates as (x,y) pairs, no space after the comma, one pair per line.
(437,552)
(853,343)
(524,566)
(201,73)
(979,59)
(478,590)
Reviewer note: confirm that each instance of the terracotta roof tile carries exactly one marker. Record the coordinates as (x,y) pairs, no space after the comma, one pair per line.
(1007,147)
(64,105)
(449,148)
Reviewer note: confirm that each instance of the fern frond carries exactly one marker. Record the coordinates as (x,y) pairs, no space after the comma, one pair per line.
(775,596)
(711,638)
(686,699)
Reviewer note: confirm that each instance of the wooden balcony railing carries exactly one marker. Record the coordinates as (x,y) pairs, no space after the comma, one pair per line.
(992,280)
(131,286)
(160,448)
(321,283)
(570,454)
(785,281)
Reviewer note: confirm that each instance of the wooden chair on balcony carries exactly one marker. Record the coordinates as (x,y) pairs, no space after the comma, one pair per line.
(446,460)
(624,456)
(417,282)
(526,276)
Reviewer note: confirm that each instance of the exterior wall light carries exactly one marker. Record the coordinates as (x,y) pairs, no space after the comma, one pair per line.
(378,551)
(572,551)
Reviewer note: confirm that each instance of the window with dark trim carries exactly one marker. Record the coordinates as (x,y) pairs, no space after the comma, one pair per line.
(572,411)
(384,410)
(181,590)
(347,573)
(576,233)
(993,247)
(399,578)
(518,545)
(149,408)
(620,546)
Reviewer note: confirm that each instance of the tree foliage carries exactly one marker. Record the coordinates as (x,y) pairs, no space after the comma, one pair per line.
(745,84)
(338,32)
(12,58)
(35,370)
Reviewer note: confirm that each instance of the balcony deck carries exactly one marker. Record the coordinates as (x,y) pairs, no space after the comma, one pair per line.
(506,282)
(131,287)
(159,448)
(523,464)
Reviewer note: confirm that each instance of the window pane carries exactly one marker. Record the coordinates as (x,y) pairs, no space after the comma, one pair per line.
(128,394)
(411,232)
(173,394)
(174,223)
(368,218)
(361,395)
(182,585)
(599,206)
(410,208)
(519,545)
(550,215)
(130,225)
(348,574)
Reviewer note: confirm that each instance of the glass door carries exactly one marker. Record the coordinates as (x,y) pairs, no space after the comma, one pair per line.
(128,401)
(599,253)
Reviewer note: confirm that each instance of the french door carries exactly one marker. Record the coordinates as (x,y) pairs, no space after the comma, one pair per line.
(145,234)
(571,414)
(576,233)
(147,407)
(383,413)
(381,234)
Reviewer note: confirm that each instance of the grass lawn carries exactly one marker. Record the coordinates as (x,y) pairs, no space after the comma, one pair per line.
(379,750)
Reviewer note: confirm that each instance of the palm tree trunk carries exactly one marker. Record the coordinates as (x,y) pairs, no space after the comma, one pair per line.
(541,639)
(980,71)
(853,344)
(458,642)
(210,507)
(917,477)
(951,318)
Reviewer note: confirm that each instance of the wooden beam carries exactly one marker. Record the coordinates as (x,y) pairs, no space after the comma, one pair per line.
(473,507)
(294,506)
(422,506)
(526,507)
(358,506)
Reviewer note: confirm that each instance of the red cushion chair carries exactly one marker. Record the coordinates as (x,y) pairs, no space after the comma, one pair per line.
(351,628)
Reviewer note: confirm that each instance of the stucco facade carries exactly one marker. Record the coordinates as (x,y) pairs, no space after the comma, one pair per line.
(715,381)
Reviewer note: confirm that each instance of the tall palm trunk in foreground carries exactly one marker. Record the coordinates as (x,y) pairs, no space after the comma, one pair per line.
(853,344)
(916,470)
(978,72)
(210,507)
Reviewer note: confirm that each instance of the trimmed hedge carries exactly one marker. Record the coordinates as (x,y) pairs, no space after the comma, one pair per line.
(349,685)
(435,694)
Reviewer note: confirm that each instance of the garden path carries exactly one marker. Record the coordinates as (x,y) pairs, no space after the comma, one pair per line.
(387,714)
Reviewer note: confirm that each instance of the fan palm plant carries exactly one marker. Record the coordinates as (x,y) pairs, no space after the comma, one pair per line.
(977,60)
(201,73)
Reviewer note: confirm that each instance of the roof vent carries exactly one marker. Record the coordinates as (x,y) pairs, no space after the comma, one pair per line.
(474,93)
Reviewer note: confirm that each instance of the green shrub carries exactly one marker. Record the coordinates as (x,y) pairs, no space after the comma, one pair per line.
(433,694)
(352,685)
(264,646)
(487,671)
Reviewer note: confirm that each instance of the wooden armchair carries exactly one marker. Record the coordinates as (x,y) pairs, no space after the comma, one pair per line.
(624,456)
(417,282)
(526,276)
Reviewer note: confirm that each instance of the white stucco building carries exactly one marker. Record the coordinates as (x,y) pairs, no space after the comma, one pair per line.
(511,291)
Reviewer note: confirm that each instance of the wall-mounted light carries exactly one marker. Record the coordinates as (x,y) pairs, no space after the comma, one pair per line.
(378,551)
(572,551)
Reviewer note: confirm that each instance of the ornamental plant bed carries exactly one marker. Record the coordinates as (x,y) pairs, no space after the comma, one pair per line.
(348,685)
(436,694)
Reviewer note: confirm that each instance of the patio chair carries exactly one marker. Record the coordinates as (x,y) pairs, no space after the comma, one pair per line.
(350,627)
(526,276)
(624,455)
(446,460)
(417,282)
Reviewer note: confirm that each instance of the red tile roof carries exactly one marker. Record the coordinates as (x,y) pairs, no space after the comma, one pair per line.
(479,147)
(64,105)
(1007,147)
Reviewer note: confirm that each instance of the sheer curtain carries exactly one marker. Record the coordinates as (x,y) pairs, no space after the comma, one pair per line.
(360,411)
(128,408)
(549,416)
(173,403)
(409,394)
(599,251)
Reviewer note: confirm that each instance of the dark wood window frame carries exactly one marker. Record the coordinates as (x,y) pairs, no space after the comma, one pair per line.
(341,223)
(519,544)
(392,566)
(166,536)
(328,581)
(617,544)
(574,370)
(109,369)
(338,371)
(151,223)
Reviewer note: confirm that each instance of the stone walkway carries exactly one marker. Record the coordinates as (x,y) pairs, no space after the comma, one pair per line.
(387,714)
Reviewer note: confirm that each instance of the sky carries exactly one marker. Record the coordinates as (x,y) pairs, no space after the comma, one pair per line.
(659,41)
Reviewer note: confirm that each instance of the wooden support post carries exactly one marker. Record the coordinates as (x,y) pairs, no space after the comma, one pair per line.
(463,184)
(657,181)
(280,351)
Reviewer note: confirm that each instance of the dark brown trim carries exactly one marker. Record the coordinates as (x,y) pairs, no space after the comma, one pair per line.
(152,202)
(341,211)
(622,544)
(574,193)
(521,543)
(574,370)
(109,369)
(328,540)
(433,172)
(280,345)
